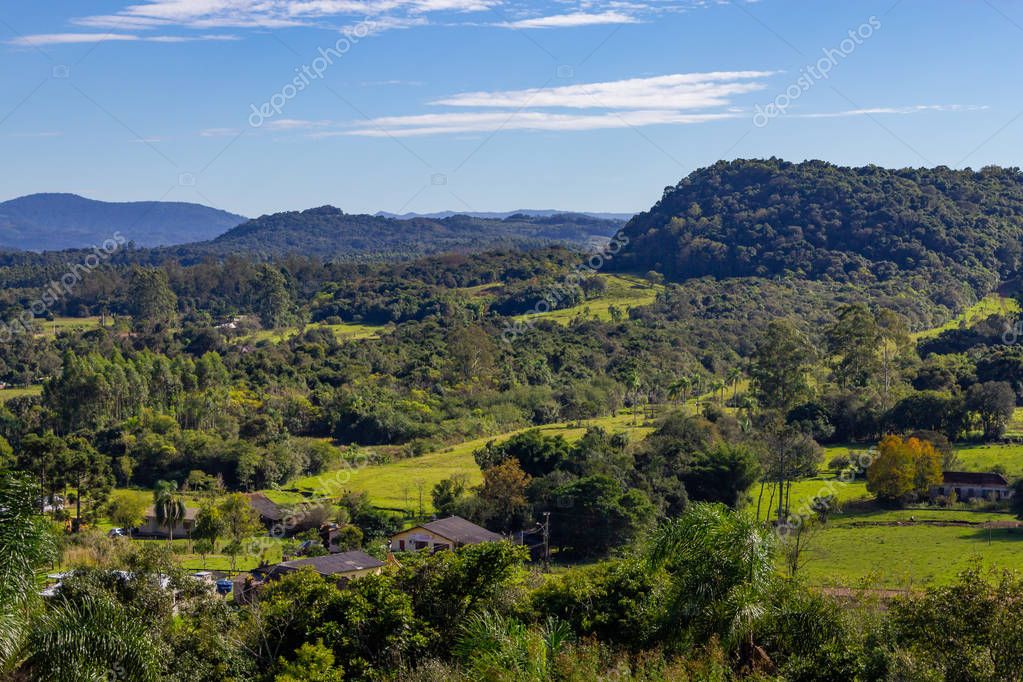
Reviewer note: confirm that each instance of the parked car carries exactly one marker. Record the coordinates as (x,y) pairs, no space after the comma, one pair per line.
(117,533)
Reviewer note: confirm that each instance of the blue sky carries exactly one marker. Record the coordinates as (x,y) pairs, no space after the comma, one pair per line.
(257,106)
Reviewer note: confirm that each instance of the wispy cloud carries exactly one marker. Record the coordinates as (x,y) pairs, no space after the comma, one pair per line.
(204,14)
(64,38)
(572,20)
(219,132)
(382,15)
(673,99)
(71,38)
(446,124)
(675,91)
(915,109)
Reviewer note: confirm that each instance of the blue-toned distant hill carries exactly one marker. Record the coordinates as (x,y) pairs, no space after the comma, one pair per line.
(330,233)
(51,222)
(501,215)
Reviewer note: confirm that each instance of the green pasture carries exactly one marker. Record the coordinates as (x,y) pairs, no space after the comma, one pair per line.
(623,292)
(9,393)
(991,304)
(871,550)
(343,331)
(397,485)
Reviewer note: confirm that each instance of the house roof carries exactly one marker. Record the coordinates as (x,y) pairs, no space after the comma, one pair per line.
(333,564)
(973,478)
(190,513)
(457,529)
(265,507)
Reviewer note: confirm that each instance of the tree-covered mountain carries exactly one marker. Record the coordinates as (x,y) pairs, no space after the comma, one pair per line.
(500,215)
(950,234)
(330,233)
(50,222)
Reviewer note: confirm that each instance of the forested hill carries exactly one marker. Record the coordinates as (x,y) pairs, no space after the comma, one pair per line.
(815,220)
(330,233)
(52,222)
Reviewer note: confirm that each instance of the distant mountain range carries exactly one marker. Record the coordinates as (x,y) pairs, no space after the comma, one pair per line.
(496,215)
(330,233)
(53,222)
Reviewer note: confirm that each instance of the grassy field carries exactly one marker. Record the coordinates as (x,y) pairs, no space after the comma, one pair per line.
(8,393)
(396,485)
(344,331)
(804,491)
(623,292)
(50,328)
(985,457)
(989,305)
(853,551)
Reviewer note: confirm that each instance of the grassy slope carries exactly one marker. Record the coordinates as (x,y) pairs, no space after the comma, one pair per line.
(623,291)
(989,305)
(396,485)
(347,330)
(8,393)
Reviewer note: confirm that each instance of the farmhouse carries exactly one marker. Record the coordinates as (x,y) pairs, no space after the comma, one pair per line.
(969,485)
(450,533)
(339,567)
(153,528)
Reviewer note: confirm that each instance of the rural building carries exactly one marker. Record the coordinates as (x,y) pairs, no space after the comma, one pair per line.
(338,567)
(270,514)
(450,533)
(969,485)
(151,527)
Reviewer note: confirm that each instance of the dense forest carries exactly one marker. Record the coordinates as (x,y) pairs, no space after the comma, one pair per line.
(948,235)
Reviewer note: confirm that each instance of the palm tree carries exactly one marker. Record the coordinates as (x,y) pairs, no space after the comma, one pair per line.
(89,638)
(718,386)
(495,647)
(680,389)
(25,544)
(734,377)
(168,507)
(63,640)
(721,564)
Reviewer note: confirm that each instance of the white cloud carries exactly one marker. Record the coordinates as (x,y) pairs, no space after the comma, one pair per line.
(67,38)
(916,109)
(295,124)
(446,124)
(204,14)
(71,38)
(572,20)
(675,91)
(674,99)
(219,132)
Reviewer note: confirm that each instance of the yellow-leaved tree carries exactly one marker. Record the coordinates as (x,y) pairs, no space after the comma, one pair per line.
(903,467)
